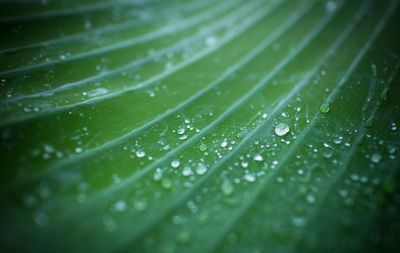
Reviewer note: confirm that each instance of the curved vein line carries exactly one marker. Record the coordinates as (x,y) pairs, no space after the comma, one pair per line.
(76,10)
(97,31)
(166,30)
(181,44)
(261,188)
(361,132)
(282,29)
(231,35)
(155,219)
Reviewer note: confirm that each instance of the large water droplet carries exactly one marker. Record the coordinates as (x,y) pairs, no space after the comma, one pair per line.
(281,129)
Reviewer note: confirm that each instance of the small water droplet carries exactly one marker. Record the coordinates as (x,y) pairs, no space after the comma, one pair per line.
(166,183)
(250,178)
(120,206)
(258,157)
(227,188)
(183,237)
(310,199)
(201,169)
(40,218)
(157,174)
(187,171)
(140,205)
(376,158)
(211,41)
(140,153)
(175,163)
(324,108)
(330,6)
(224,143)
(298,222)
(203,147)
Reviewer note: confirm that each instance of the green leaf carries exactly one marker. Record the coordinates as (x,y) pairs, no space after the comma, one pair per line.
(200,126)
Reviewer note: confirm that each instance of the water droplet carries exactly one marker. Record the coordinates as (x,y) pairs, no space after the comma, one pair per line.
(49,148)
(210,41)
(310,199)
(337,140)
(258,157)
(324,108)
(330,6)
(203,218)
(175,163)
(40,218)
(244,164)
(203,147)
(181,130)
(166,183)
(97,92)
(183,237)
(120,206)
(227,188)
(328,154)
(78,150)
(281,129)
(157,174)
(391,149)
(376,158)
(298,222)
(201,169)
(187,171)
(140,153)
(140,205)
(250,178)
(224,143)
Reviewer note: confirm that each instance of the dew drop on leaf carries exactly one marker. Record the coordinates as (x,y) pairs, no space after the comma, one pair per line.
(201,169)
(157,174)
(175,163)
(140,205)
(181,130)
(166,183)
(227,188)
(203,147)
(298,222)
(120,206)
(40,218)
(250,178)
(324,108)
(258,158)
(187,171)
(281,129)
(140,153)
(376,158)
